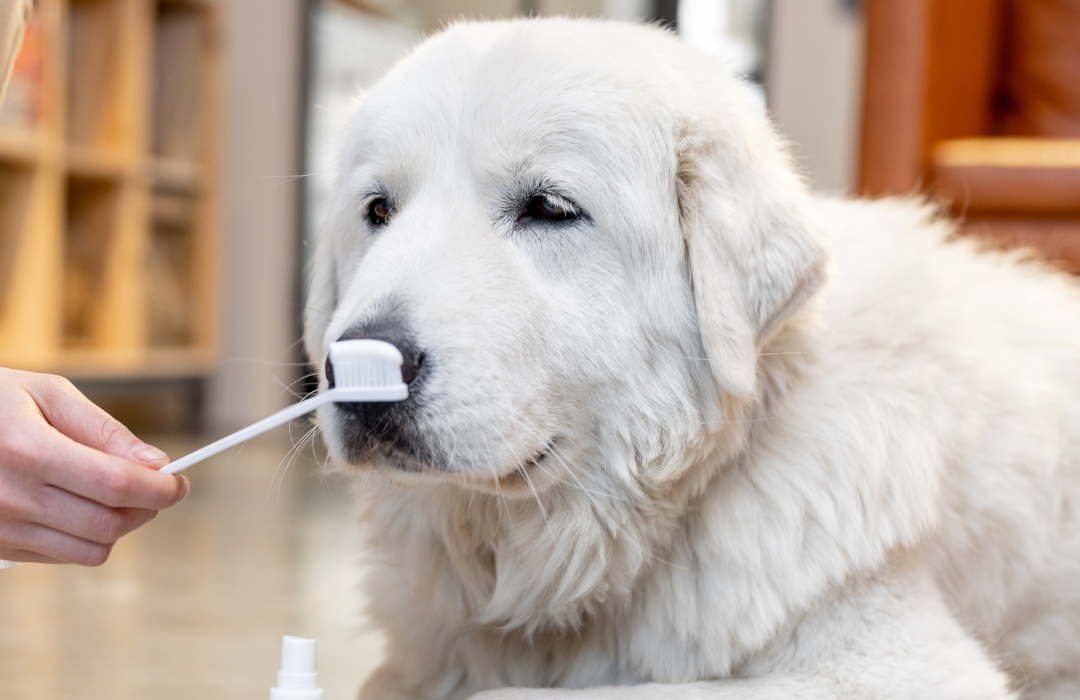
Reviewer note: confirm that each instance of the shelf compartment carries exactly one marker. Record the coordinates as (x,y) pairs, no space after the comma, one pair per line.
(182,41)
(171,260)
(95,74)
(92,206)
(16,180)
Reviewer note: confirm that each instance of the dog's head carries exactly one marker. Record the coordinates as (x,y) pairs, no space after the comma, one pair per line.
(580,235)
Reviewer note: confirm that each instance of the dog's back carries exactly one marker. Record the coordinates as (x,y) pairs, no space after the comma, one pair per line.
(984,348)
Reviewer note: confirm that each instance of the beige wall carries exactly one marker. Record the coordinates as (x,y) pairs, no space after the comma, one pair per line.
(815,86)
(259,221)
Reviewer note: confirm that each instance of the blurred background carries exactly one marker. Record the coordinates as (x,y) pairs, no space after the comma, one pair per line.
(164,165)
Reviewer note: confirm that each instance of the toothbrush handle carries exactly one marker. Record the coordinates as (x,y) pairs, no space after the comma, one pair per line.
(283,416)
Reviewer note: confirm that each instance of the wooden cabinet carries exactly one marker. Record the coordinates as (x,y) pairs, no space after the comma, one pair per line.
(109,144)
(976,103)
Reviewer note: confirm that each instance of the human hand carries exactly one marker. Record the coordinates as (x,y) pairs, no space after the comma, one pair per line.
(73,480)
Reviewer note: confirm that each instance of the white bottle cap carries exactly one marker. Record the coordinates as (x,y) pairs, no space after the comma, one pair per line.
(297,679)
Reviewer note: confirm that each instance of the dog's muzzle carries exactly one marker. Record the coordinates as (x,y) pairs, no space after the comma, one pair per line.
(385,427)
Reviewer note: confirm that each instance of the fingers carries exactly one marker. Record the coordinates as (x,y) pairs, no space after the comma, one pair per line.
(109,480)
(72,479)
(36,543)
(87,520)
(67,410)
(26,557)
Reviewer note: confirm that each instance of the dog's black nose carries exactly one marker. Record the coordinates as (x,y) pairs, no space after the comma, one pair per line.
(386,426)
(392,332)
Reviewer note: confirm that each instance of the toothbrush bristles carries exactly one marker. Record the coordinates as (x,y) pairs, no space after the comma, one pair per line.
(366,364)
(363,374)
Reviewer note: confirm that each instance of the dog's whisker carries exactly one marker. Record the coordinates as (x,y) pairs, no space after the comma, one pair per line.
(683,357)
(284,179)
(287,461)
(522,469)
(278,478)
(498,486)
(453,450)
(323,311)
(288,387)
(580,486)
(590,495)
(257,361)
(302,445)
(322,464)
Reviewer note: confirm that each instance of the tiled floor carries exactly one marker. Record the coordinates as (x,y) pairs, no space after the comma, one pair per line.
(194,604)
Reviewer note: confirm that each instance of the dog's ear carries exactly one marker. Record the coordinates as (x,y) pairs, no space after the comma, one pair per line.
(755,253)
(321,299)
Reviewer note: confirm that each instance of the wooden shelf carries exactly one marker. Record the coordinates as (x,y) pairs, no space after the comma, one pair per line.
(177,175)
(91,163)
(15,182)
(157,363)
(19,143)
(108,204)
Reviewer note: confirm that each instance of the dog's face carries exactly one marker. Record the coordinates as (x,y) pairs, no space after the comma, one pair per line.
(577,255)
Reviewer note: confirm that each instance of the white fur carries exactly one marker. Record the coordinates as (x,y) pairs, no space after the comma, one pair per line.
(763,484)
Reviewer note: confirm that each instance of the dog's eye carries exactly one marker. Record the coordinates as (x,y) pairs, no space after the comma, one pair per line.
(378,211)
(545,207)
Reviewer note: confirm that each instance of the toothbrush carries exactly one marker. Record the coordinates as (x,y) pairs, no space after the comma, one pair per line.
(364,371)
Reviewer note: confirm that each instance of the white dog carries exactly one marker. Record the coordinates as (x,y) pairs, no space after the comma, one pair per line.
(677,428)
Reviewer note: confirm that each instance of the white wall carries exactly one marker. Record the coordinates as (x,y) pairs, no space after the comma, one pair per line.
(351,50)
(814,86)
(263,41)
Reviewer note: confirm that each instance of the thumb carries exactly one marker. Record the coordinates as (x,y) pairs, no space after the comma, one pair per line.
(74,415)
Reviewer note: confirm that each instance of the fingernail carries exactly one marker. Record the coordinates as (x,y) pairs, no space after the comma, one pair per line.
(148,454)
(185,486)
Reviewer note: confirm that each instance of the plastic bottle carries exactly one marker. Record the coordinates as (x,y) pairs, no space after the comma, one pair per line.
(297,679)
